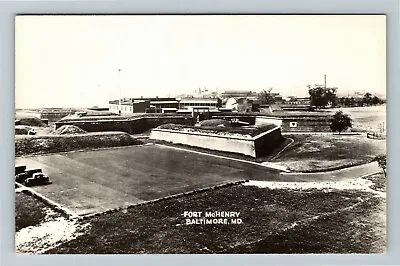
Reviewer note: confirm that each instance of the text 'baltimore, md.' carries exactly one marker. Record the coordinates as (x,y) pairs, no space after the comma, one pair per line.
(211,217)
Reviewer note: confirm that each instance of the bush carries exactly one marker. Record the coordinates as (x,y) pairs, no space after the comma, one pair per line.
(382,161)
(340,122)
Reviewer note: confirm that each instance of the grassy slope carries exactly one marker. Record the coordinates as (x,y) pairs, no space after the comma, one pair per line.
(347,232)
(160,228)
(316,152)
(28,211)
(25,145)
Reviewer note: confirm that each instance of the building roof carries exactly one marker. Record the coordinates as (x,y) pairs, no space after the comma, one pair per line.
(199,100)
(184,111)
(235,91)
(162,102)
(155,99)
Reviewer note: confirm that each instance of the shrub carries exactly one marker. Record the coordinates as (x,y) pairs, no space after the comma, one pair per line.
(340,122)
(381,159)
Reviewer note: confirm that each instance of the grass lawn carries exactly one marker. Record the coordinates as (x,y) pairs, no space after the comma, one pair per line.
(328,152)
(37,144)
(371,118)
(282,221)
(357,231)
(29,211)
(94,181)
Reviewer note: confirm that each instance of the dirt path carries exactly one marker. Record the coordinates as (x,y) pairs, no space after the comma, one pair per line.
(346,173)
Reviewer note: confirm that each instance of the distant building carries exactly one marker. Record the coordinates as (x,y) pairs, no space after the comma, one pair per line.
(127,106)
(162,105)
(211,103)
(143,105)
(299,100)
(302,121)
(240,105)
(236,94)
(157,105)
(296,107)
(277,97)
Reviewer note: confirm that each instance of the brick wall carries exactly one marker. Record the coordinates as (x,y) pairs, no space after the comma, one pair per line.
(309,124)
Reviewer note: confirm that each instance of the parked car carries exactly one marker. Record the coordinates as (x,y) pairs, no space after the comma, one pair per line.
(36,180)
(31,177)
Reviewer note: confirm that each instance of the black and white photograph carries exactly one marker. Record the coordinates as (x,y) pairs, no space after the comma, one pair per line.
(200,134)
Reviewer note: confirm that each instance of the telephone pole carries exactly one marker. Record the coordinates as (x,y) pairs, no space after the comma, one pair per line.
(325,81)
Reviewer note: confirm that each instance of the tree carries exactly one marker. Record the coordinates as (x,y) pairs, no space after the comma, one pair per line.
(330,94)
(317,98)
(375,100)
(320,97)
(340,122)
(367,99)
(359,102)
(265,97)
(349,102)
(381,159)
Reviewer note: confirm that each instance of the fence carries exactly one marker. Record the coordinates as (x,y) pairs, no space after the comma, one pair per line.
(376,135)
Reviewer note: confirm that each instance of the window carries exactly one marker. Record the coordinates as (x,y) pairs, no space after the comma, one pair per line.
(293,124)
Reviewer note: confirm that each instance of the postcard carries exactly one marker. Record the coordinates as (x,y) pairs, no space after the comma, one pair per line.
(200,134)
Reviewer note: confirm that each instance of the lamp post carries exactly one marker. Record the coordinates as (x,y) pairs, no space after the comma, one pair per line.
(120,91)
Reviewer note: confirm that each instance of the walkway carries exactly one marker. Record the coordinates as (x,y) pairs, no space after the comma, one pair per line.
(278,174)
(346,173)
(322,133)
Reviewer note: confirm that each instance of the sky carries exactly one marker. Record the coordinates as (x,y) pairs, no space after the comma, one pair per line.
(82,61)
